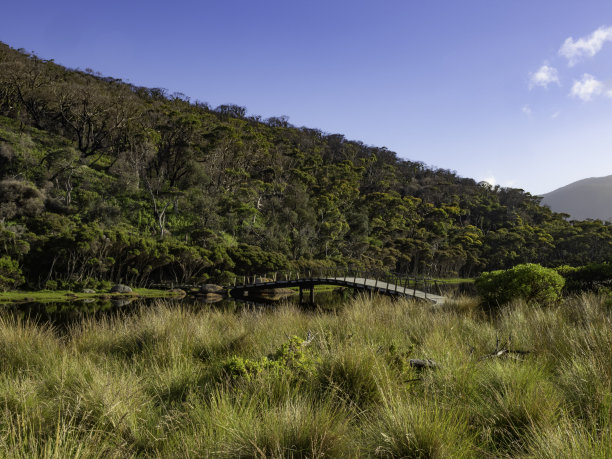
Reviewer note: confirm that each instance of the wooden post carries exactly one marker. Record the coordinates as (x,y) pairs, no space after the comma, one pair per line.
(312,294)
(301,295)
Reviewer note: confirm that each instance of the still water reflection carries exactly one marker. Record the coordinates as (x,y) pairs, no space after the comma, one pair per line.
(61,315)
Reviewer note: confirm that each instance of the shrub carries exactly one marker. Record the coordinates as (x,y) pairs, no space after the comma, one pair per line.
(529,282)
(10,274)
(51,285)
(292,357)
(19,198)
(593,277)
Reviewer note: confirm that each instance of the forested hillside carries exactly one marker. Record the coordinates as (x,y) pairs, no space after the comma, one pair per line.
(101,180)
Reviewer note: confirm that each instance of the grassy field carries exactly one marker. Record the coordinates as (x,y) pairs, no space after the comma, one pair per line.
(283,382)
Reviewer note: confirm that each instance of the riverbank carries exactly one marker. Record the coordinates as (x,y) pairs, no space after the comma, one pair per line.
(52,296)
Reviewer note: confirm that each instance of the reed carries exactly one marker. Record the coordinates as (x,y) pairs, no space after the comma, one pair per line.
(168,381)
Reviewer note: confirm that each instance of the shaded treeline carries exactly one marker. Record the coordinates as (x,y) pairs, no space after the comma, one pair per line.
(103,180)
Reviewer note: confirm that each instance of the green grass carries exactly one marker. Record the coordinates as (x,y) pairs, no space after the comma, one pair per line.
(43,296)
(168,382)
(455,280)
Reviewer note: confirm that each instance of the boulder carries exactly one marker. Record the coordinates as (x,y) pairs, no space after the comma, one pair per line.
(88,290)
(120,288)
(210,288)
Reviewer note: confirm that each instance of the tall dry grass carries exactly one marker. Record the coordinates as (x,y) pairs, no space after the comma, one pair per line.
(175,382)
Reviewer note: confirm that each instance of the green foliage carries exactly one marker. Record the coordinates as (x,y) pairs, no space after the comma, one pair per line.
(10,274)
(146,187)
(52,285)
(592,277)
(529,282)
(290,358)
(152,383)
(237,367)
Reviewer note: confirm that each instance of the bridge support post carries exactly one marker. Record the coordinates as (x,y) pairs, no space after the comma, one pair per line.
(311,294)
(301,295)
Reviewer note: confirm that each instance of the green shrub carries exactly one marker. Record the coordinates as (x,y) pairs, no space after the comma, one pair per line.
(238,367)
(51,285)
(103,285)
(529,282)
(593,277)
(291,357)
(10,274)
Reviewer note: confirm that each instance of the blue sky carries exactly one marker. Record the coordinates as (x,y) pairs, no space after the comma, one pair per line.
(518,92)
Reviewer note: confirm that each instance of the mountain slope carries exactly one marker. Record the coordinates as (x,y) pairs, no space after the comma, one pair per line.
(103,181)
(587,198)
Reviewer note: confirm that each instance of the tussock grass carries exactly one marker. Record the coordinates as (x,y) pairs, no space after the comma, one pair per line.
(164,382)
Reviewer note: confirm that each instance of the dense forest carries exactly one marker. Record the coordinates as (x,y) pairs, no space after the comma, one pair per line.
(101,180)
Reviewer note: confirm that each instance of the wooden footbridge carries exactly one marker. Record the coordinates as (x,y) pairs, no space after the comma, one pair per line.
(386,284)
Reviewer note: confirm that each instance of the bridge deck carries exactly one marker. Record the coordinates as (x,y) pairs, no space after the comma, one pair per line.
(351,282)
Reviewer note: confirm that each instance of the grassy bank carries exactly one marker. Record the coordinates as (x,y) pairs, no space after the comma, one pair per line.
(43,296)
(171,382)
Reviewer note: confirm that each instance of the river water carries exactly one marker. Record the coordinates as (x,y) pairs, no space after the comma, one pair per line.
(62,315)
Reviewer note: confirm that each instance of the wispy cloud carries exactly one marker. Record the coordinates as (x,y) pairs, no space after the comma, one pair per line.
(526,110)
(544,76)
(574,50)
(589,87)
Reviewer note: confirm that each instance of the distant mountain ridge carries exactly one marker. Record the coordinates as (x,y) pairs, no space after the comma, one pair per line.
(584,199)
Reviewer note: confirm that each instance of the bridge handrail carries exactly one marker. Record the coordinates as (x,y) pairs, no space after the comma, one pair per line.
(408,282)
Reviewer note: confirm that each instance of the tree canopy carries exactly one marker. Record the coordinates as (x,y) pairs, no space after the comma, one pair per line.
(103,180)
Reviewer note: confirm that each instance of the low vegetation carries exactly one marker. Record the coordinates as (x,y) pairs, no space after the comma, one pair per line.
(531,380)
(528,282)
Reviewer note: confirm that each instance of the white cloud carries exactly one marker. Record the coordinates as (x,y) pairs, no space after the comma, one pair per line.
(490,180)
(574,50)
(526,110)
(555,115)
(589,87)
(544,76)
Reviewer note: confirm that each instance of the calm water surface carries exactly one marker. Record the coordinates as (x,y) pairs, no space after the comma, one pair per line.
(61,315)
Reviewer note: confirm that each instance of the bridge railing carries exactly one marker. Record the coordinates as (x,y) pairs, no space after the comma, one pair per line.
(382,279)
